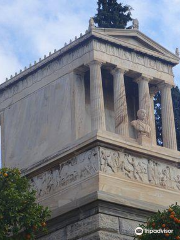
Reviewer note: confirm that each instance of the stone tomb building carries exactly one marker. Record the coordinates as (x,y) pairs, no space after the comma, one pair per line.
(80,124)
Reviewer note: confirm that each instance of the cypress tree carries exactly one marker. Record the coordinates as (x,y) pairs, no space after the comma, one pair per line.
(111,14)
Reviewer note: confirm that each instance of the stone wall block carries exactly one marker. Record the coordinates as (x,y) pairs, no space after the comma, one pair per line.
(127,226)
(92,224)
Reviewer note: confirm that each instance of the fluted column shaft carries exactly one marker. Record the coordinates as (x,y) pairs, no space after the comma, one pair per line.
(144,97)
(168,124)
(96,97)
(120,103)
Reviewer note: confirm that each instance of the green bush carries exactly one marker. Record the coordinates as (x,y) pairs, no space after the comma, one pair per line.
(20,216)
(168,219)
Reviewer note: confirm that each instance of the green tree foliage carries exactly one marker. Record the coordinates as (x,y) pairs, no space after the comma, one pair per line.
(176,105)
(111,14)
(158,119)
(166,220)
(20,215)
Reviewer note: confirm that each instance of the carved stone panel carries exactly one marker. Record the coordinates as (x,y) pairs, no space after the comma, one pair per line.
(107,161)
(140,169)
(69,172)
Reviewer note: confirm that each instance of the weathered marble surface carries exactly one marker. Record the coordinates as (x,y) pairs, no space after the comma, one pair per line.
(110,162)
(67,173)
(132,56)
(43,72)
(97,227)
(140,169)
(127,226)
(38,125)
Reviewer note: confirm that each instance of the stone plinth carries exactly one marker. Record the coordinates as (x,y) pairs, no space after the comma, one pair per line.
(97,221)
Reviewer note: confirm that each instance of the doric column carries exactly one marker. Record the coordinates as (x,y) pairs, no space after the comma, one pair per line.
(96,97)
(167,113)
(144,96)
(153,91)
(120,103)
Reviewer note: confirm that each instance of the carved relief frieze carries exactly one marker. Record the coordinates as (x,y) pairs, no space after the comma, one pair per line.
(139,169)
(133,57)
(71,171)
(110,162)
(43,72)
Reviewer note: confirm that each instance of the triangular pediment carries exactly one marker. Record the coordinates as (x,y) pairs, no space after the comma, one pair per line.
(136,40)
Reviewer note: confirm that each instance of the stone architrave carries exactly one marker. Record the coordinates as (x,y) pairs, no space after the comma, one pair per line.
(120,103)
(168,124)
(96,97)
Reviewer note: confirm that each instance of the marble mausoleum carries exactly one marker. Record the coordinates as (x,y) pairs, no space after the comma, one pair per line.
(80,124)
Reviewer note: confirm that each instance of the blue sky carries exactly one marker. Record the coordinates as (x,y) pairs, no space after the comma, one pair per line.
(32,28)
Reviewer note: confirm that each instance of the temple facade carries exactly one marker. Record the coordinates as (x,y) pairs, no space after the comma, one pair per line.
(80,125)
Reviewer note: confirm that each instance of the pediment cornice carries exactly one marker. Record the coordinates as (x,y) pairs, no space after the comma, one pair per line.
(158,51)
(107,35)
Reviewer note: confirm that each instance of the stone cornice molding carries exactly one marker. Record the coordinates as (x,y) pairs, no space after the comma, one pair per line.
(38,65)
(136,33)
(96,138)
(148,52)
(94,33)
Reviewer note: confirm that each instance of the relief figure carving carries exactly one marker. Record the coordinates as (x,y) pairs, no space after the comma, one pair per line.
(152,172)
(68,172)
(177,180)
(106,163)
(165,177)
(139,169)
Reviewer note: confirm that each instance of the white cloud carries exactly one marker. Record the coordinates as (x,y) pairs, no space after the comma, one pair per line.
(33,28)
(29,29)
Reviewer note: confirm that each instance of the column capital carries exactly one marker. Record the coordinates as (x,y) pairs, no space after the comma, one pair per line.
(79,72)
(143,77)
(95,62)
(164,85)
(153,90)
(119,69)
